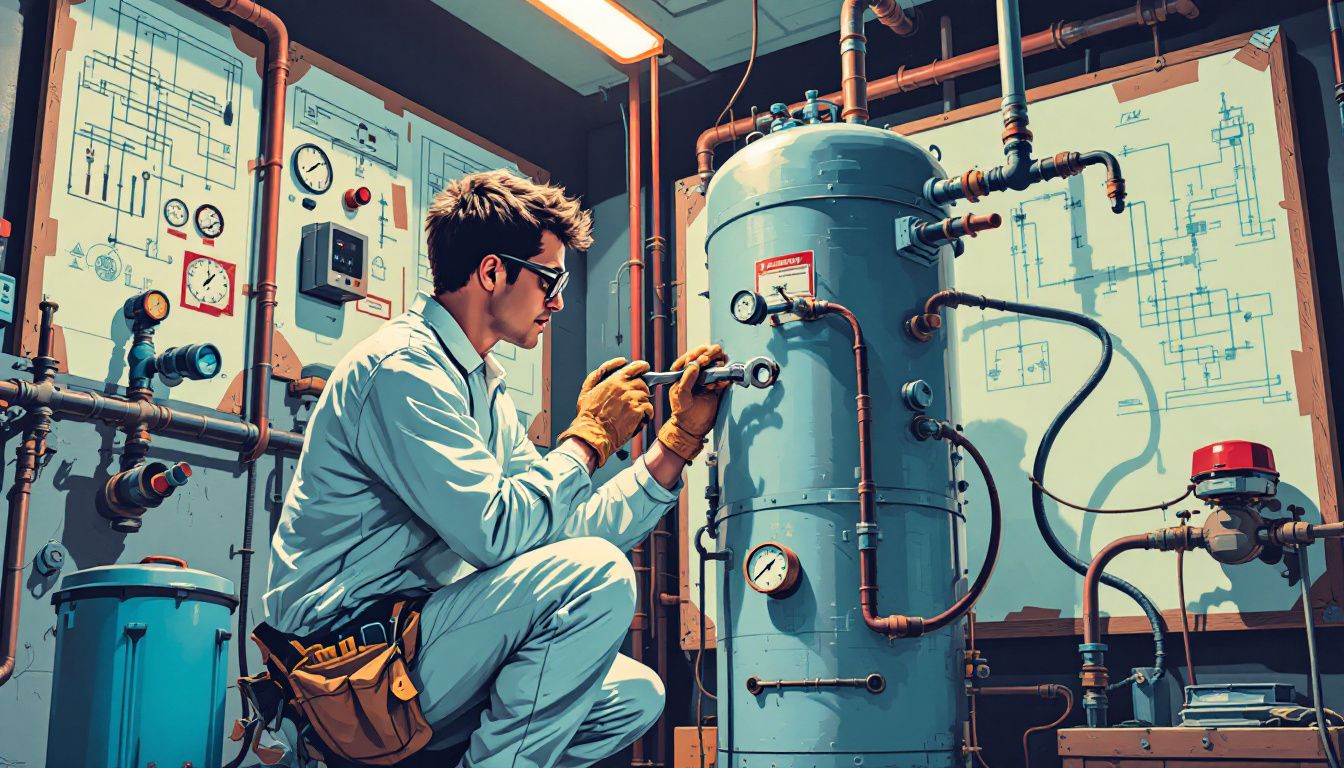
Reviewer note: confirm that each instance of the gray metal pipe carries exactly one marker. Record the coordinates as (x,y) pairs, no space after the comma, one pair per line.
(1011,71)
(158,419)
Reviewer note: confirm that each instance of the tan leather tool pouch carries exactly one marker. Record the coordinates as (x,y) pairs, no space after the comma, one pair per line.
(363,704)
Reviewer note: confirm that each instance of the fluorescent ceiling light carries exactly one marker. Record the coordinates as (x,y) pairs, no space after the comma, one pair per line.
(606,25)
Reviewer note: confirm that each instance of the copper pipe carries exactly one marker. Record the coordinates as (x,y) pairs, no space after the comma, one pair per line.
(1057,36)
(1337,48)
(640,622)
(1044,691)
(26,456)
(271,167)
(898,625)
(1091,616)
(854,51)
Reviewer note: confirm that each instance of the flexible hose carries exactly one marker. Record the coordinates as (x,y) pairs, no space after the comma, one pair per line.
(954,298)
(1322,725)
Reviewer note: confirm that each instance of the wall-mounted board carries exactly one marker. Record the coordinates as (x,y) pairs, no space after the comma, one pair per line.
(146,180)
(1206,283)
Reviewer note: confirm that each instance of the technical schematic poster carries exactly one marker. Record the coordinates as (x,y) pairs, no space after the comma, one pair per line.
(369,137)
(158,120)
(1196,282)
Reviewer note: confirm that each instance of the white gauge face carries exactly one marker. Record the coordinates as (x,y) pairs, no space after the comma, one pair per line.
(312,168)
(208,282)
(176,212)
(209,221)
(768,568)
(744,306)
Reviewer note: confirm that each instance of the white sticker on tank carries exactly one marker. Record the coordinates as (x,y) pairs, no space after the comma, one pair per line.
(792,272)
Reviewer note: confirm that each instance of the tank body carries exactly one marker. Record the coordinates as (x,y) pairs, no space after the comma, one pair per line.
(816,208)
(141,667)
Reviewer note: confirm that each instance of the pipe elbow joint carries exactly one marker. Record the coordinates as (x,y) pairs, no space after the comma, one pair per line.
(897,626)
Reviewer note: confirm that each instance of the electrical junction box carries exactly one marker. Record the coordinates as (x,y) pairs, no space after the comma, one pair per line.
(333,263)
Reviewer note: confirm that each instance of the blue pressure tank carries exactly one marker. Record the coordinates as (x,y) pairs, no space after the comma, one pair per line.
(141,666)
(819,209)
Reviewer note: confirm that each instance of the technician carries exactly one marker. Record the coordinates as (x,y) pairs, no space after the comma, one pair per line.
(417,480)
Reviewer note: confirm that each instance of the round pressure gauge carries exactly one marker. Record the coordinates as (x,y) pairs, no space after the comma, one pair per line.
(176,212)
(208,282)
(312,167)
(772,569)
(209,221)
(748,307)
(150,305)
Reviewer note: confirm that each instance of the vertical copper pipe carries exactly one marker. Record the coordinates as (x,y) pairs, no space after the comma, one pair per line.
(854,51)
(1091,601)
(1337,48)
(637,555)
(272,171)
(26,456)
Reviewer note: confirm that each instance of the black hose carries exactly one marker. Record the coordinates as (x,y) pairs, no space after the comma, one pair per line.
(1322,725)
(1043,455)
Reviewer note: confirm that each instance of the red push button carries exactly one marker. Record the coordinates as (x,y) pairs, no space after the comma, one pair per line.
(357,197)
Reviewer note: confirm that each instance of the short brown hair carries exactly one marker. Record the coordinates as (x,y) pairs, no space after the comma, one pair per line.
(497,212)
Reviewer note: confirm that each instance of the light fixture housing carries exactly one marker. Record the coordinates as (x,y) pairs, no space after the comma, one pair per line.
(606,26)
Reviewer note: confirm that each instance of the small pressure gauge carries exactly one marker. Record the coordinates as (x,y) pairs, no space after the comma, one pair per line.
(176,212)
(151,305)
(209,221)
(312,168)
(748,307)
(772,569)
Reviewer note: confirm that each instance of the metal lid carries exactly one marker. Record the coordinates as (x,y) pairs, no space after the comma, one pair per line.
(167,575)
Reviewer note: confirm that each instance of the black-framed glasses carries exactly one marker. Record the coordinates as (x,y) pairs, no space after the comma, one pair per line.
(553,280)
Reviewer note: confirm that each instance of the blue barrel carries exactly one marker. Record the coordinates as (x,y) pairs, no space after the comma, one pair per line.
(141,666)
(817,209)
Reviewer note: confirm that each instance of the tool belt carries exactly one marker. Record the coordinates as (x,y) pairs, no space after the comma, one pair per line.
(351,687)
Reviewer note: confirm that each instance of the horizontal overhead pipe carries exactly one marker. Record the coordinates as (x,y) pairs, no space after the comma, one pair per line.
(159,419)
(1058,36)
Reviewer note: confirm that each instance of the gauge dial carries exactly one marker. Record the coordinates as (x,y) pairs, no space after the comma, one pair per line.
(748,307)
(208,282)
(772,569)
(312,168)
(176,212)
(207,362)
(209,221)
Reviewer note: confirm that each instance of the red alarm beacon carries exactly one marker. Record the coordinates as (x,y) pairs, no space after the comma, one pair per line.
(1234,468)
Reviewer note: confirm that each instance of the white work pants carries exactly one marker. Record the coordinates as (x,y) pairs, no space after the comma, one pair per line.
(523,660)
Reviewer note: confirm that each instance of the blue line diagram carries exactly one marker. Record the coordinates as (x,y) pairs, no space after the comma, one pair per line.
(358,135)
(1213,339)
(139,126)
(439,164)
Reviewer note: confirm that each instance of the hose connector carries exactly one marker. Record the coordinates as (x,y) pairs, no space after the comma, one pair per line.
(129,493)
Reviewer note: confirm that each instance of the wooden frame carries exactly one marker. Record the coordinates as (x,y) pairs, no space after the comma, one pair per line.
(42,230)
(1309,364)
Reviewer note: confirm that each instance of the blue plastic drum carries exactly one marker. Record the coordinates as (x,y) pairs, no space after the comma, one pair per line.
(141,666)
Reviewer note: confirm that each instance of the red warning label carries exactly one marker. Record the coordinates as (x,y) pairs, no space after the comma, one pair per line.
(792,272)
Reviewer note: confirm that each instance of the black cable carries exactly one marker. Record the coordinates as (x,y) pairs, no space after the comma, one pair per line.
(1043,455)
(1322,725)
(751,59)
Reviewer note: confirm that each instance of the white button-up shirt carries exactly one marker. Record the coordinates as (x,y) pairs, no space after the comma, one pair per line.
(415,472)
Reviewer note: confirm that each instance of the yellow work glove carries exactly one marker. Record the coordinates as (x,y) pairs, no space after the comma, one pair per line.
(693,409)
(611,407)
